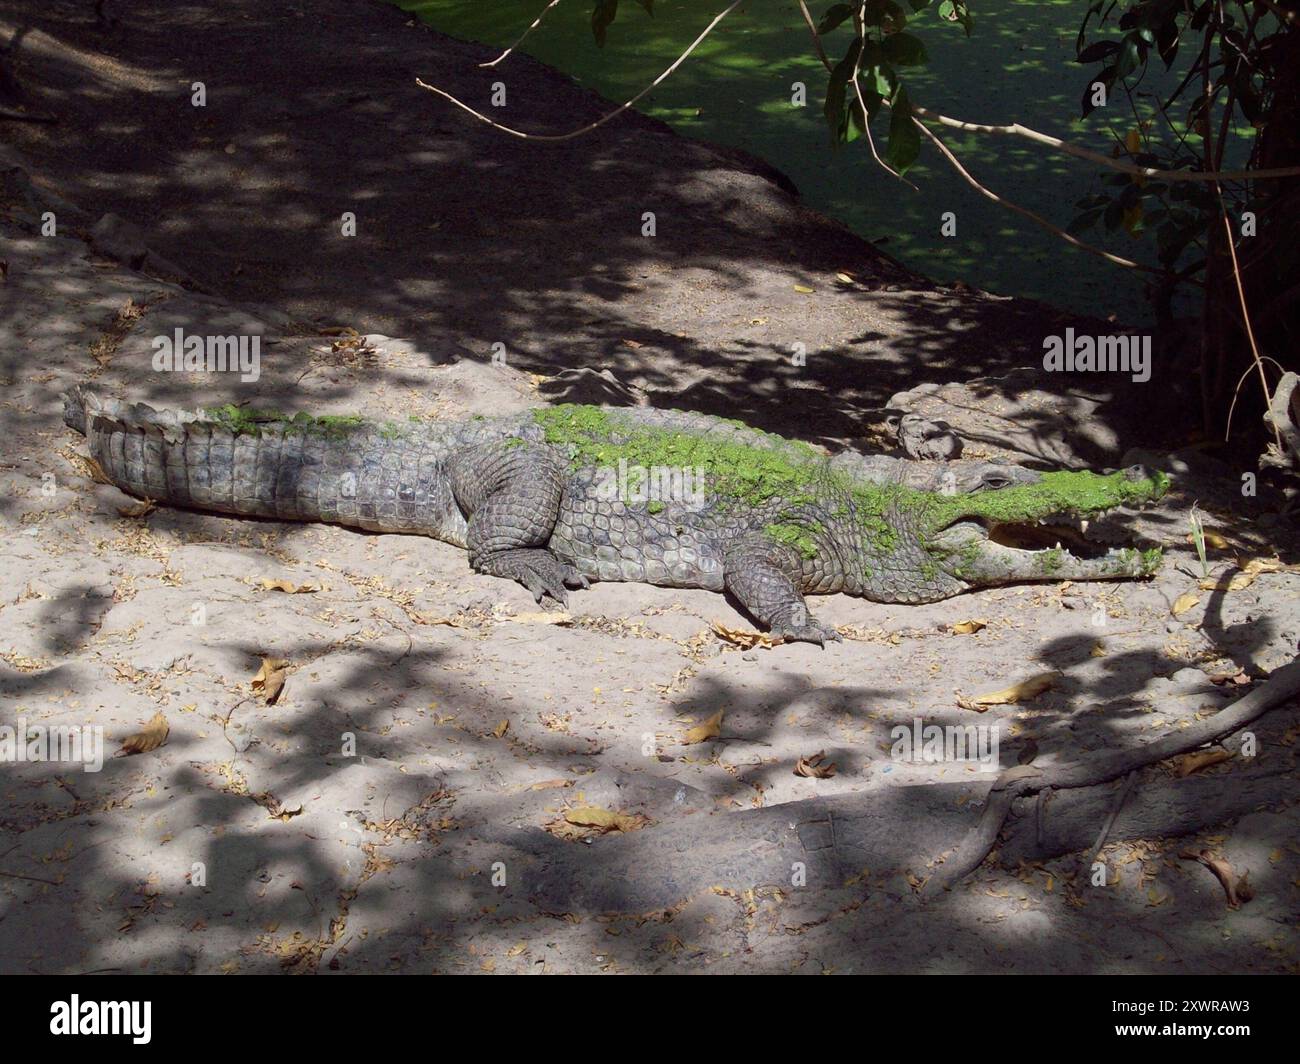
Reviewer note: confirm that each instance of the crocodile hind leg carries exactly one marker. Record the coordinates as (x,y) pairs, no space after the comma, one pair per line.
(766,577)
(511,498)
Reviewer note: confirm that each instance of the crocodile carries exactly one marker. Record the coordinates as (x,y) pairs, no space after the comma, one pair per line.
(557,497)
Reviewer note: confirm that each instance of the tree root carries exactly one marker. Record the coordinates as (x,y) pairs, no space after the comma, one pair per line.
(1025,780)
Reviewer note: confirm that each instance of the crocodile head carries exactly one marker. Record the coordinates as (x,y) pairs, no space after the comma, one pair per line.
(1007,534)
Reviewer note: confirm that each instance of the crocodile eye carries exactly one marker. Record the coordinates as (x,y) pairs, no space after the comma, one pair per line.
(995,479)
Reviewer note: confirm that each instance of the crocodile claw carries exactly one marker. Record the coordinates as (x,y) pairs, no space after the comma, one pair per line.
(810,632)
(540,571)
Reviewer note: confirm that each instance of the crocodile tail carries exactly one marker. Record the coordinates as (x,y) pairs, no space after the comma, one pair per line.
(358,478)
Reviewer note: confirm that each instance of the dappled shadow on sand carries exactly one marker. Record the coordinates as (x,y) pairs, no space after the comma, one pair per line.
(466,238)
(464,873)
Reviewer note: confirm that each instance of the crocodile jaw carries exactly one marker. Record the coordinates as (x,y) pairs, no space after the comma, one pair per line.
(967,552)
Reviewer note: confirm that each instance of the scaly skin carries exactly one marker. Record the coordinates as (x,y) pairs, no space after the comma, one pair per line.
(537,498)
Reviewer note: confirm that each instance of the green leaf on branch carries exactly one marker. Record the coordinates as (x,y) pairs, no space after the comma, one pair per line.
(835,14)
(957,11)
(903,49)
(836,88)
(904,140)
(602,15)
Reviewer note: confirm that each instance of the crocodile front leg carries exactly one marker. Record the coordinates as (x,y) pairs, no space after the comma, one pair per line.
(766,577)
(511,497)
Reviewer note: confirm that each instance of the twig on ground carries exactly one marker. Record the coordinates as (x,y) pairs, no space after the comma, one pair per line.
(1120,798)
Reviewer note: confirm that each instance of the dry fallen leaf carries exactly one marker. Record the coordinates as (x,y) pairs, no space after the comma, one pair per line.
(1236,888)
(1188,763)
(1212,539)
(269,680)
(427,618)
(1018,692)
(1240,678)
(546,785)
(153,736)
(1247,570)
(538,617)
(273,808)
(802,288)
(1184,603)
(86,466)
(968,627)
(702,733)
(815,766)
(288,587)
(594,818)
(742,637)
(501,729)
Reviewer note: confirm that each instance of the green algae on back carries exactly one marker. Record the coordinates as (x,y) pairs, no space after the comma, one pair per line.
(1059,492)
(789,470)
(245,421)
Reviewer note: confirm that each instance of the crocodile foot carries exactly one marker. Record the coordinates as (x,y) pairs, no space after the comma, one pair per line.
(798,626)
(537,569)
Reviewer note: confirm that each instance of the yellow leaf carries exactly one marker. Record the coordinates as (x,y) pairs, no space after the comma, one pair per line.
(1133,142)
(1019,692)
(1189,763)
(702,733)
(593,816)
(815,766)
(501,729)
(539,617)
(1212,539)
(1249,569)
(288,587)
(802,288)
(153,736)
(742,637)
(968,627)
(269,681)
(1184,603)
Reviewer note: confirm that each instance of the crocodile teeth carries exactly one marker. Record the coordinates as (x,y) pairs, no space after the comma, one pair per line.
(1083,526)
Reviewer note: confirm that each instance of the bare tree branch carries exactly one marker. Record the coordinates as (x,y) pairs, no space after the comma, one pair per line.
(554,137)
(536,22)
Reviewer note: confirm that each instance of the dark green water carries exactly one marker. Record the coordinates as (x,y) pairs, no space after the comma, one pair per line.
(736,90)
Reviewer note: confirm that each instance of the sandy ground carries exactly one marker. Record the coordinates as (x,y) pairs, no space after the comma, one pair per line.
(401,806)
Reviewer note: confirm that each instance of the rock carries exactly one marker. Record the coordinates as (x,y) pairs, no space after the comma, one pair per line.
(585,385)
(925,439)
(116,238)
